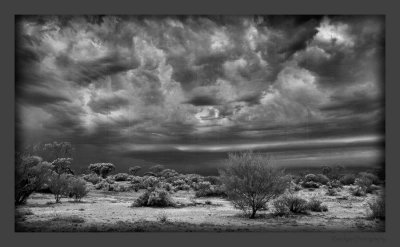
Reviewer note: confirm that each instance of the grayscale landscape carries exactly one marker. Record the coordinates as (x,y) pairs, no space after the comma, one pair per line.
(200,123)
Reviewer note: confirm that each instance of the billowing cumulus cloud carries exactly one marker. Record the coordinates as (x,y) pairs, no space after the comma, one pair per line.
(166,80)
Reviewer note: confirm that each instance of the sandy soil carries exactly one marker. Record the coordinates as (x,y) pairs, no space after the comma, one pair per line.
(111,211)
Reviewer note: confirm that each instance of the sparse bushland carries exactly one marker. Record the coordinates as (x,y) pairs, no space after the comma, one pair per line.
(251,181)
(102,169)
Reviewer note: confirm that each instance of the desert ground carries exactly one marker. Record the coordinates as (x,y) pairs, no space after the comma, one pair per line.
(112,211)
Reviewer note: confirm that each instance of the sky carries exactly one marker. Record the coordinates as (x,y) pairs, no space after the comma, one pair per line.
(122,86)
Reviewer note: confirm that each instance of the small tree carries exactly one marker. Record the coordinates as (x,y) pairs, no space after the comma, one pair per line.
(156,169)
(77,188)
(102,169)
(53,151)
(30,175)
(251,181)
(134,170)
(62,165)
(59,185)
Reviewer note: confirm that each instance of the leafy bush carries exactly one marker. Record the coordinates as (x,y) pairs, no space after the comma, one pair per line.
(310,184)
(31,173)
(121,177)
(178,182)
(281,208)
(369,176)
(163,218)
(103,185)
(102,169)
(214,180)
(334,172)
(206,189)
(251,180)
(156,170)
(331,192)
(167,186)
(365,183)
(319,178)
(149,181)
(77,188)
(120,187)
(358,191)
(59,185)
(154,197)
(182,187)
(315,205)
(348,179)
(92,178)
(167,173)
(134,170)
(62,165)
(334,184)
(295,204)
(377,208)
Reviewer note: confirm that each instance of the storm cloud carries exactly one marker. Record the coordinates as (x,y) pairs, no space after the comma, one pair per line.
(180,80)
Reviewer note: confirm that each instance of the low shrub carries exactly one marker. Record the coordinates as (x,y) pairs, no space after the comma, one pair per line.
(77,188)
(121,177)
(369,176)
(59,186)
(377,208)
(154,197)
(310,184)
(182,187)
(315,205)
(162,217)
(318,178)
(136,180)
(334,184)
(334,172)
(205,189)
(92,178)
(167,186)
(214,180)
(103,185)
(365,183)
(331,192)
(358,191)
(149,182)
(295,204)
(281,208)
(120,187)
(348,179)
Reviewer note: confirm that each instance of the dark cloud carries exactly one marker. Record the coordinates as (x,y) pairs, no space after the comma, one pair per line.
(149,80)
(203,100)
(105,105)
